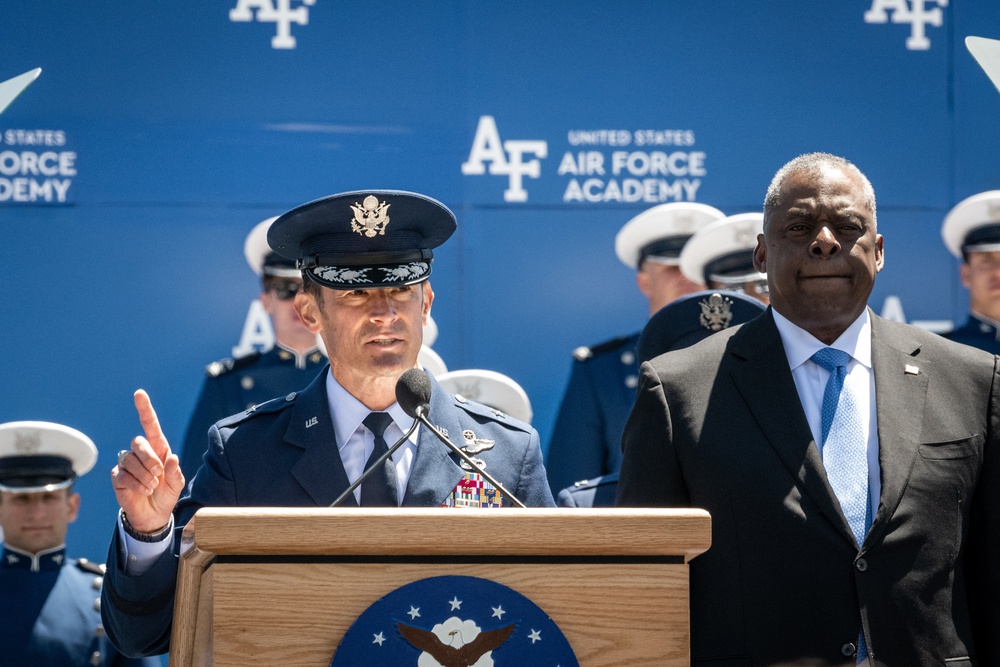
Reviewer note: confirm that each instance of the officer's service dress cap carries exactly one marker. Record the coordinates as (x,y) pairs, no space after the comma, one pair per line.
(490,388)
(659,233)
(365,239)
(973,225)
(690,318)
(263,260)
(42,456)
(723,250)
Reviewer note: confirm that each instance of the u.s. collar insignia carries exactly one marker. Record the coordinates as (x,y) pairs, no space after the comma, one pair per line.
(716,312)
(27,443)
(370,218)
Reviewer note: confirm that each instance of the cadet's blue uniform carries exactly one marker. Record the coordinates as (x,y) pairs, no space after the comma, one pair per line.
(233,385)
(597,492)
(586,440)
(977,332)
(50,613)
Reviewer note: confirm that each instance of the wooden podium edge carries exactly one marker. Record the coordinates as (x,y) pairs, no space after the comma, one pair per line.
(282,532)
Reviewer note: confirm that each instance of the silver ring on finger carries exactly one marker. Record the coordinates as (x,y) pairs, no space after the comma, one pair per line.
(121,456)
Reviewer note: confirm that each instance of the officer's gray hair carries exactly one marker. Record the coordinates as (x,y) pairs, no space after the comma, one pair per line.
(813,164)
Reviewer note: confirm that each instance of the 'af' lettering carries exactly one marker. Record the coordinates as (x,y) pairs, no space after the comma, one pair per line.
(505,158)
(283,16)
(913,12)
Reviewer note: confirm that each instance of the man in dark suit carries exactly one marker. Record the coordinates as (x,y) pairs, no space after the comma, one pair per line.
(365,258)
(854,510)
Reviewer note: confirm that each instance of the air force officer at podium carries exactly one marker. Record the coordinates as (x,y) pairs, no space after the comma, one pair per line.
(365,258)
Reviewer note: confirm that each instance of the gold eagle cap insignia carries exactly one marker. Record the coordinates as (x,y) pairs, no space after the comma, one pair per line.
(370,217)
(716,312)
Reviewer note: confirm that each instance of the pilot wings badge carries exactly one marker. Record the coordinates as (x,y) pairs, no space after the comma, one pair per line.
(370,218)
(716,312)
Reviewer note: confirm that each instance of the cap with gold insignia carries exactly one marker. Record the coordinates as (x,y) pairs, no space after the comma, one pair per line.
(659,233)
(42,456)
(973,225)
(263,260)
(365,239)
(490,388)
(690,318)
(722,252)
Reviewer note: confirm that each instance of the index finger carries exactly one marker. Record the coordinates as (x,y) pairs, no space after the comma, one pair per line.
(151,424)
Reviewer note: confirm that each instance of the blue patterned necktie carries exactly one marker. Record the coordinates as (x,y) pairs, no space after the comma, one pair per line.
(845,450)
(380,489)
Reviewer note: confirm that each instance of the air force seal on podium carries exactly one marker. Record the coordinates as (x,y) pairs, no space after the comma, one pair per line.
(454,621)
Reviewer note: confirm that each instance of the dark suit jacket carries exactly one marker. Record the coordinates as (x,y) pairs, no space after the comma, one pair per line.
(720,426)
(276,456)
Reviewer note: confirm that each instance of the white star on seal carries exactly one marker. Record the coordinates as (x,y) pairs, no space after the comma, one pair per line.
(379,638)
(414,612)
(535,636)
(498,612)
(455,603)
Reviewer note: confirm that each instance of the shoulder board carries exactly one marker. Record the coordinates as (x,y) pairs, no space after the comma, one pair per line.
(93,568)
(583,353)
(492,414)
(273,405)
(223,366)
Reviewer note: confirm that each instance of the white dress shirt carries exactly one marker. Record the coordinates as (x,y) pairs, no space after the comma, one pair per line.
(810,382)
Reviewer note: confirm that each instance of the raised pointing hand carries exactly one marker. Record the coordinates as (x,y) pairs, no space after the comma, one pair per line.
(148,480)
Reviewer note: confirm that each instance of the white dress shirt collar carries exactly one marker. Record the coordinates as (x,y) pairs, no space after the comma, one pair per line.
(800,345)
(347,412)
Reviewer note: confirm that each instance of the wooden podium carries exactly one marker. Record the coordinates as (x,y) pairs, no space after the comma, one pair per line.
(281,586)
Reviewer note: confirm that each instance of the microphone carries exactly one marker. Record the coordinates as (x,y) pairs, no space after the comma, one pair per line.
(413,393)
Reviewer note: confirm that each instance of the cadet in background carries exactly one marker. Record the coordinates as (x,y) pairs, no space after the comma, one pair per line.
(586,439)
(971,231)
(681,323)
(233,385)
(720,255)
(50,614)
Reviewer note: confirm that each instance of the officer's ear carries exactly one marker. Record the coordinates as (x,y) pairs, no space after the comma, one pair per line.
(427,296)
(73,502)
(308,309)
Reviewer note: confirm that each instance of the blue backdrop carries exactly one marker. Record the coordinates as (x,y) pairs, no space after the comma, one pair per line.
(158,134)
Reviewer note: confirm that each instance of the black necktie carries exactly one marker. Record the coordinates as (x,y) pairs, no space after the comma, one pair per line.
(379,490)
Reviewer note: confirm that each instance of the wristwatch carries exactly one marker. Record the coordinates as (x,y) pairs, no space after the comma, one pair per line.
(157,536)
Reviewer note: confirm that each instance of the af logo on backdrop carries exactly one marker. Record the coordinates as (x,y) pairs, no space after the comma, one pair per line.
(914,12)
(649,166)
(454,621)
(279,12)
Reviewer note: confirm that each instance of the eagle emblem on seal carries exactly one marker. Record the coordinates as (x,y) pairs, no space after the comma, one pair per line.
(370,218)
(716,312)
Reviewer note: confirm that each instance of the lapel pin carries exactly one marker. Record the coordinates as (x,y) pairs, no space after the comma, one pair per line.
(312,422)
(911,370)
